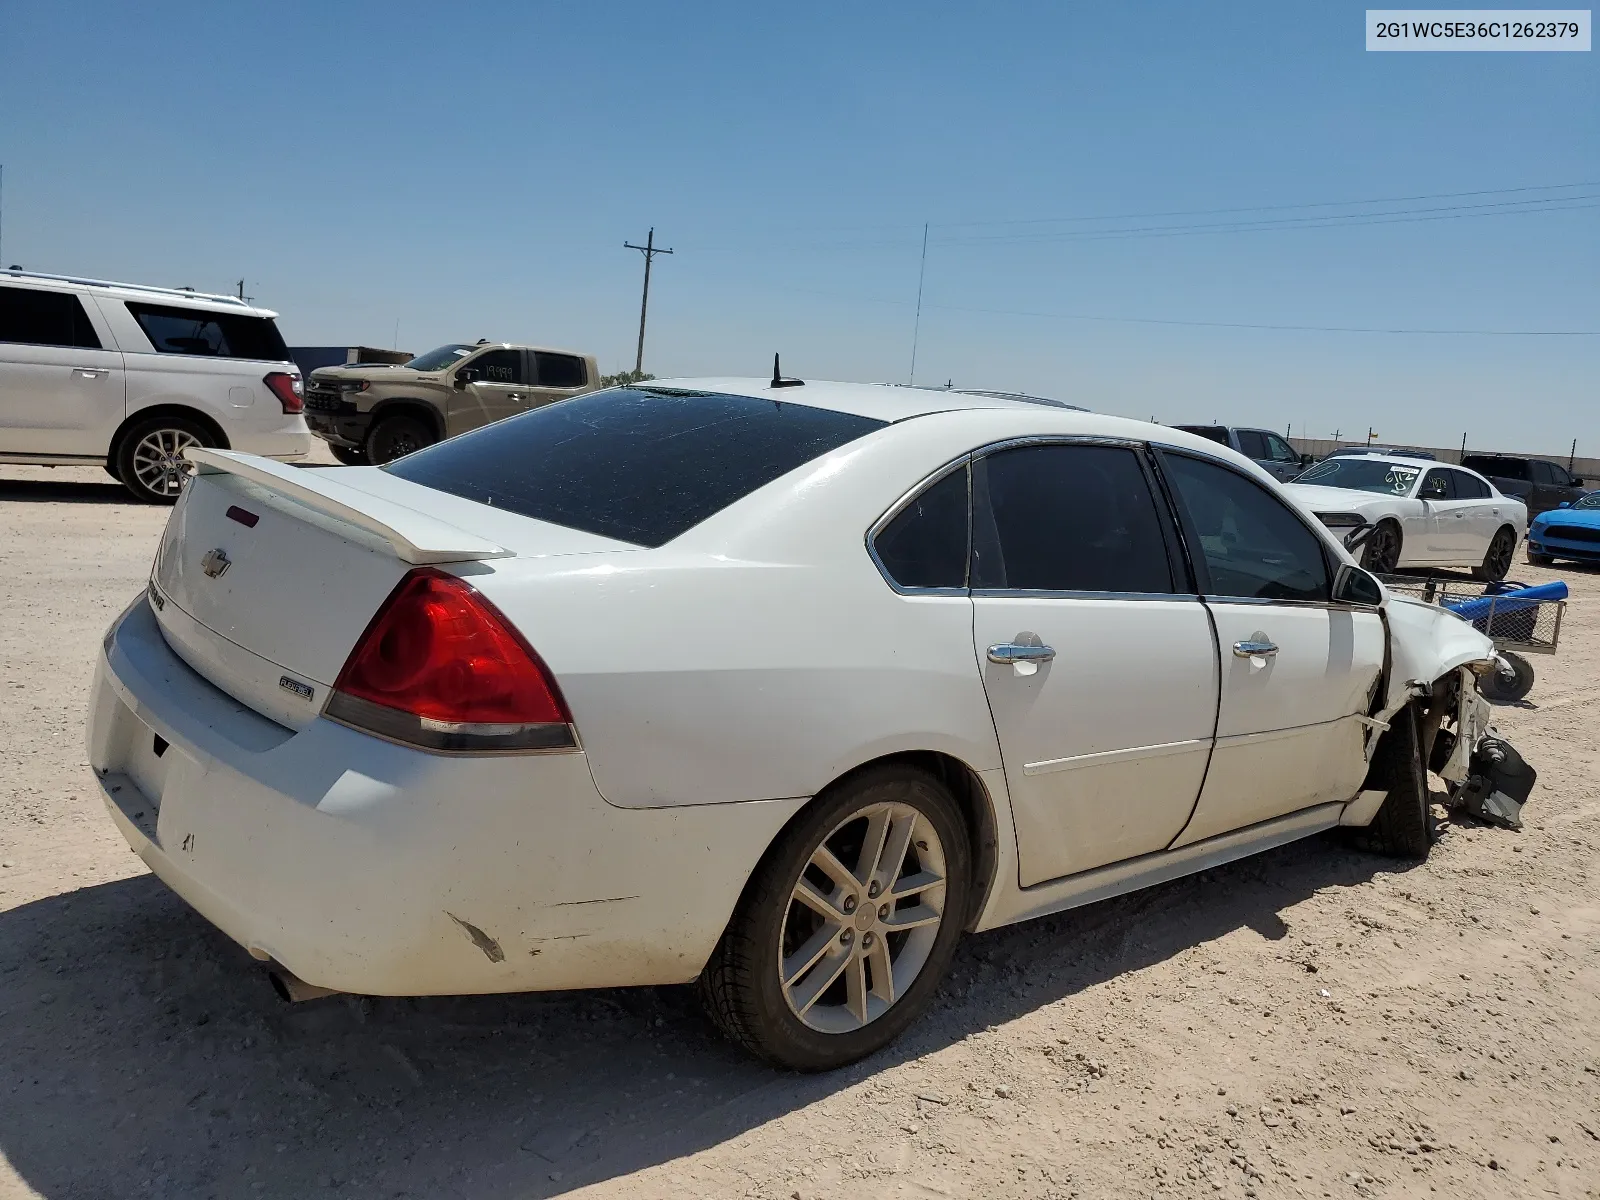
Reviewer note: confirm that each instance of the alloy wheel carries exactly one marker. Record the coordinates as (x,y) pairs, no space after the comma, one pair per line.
(1383,550)
(1498,561)
(158,462)
(862,918)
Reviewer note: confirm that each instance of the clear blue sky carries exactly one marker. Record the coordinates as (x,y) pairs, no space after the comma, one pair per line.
(471,171)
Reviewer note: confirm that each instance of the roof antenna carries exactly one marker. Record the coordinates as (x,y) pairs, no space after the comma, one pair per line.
(779,381)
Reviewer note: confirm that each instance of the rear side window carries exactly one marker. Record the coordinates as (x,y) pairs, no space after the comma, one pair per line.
(39,318)
(1251,545)
(1213,433)
(559,370)
(209,334)
(925,545)
(1505,468)
(640,465)
(1469,487)
(1066,519)
(1252,444)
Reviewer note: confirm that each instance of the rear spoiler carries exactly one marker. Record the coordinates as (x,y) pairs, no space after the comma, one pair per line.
(414,536)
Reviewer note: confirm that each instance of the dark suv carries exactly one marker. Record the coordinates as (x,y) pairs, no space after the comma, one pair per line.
(1537,482)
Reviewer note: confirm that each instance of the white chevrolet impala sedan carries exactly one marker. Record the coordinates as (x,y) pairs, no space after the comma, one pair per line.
(774,686)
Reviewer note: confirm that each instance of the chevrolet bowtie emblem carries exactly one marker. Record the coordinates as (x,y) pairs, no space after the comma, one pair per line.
(215,563)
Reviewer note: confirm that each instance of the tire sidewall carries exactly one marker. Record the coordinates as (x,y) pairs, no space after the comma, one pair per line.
(382,433)
(1369,562)
(789,1039)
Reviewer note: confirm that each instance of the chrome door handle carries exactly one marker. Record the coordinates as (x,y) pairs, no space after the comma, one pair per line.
(1254,649)
(91,372)
(1012,652)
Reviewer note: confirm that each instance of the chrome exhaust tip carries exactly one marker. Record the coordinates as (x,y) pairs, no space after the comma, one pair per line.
(292,989)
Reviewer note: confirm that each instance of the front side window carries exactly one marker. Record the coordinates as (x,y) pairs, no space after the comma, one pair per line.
(495,366)
(1436,486)
(925,544)
(1250,543)
(1066,518)
(1280,450)
(559,370)
(636,464)
(206,334)
(1542,472)
(1362,475)
(39,318)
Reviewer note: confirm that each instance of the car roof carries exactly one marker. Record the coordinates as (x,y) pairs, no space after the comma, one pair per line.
(170,297)
(880,401)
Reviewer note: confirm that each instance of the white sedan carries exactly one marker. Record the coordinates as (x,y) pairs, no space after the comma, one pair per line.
(1415,513)
(775,686)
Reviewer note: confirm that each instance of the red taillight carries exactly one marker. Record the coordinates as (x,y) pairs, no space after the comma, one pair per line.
(288,389)
(439,667)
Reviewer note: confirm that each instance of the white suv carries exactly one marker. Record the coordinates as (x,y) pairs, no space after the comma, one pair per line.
(128,377)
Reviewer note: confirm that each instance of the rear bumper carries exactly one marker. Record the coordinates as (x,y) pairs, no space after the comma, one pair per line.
(368,867)
(288,444)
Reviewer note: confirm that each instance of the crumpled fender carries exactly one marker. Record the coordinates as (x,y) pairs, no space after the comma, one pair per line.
(1426,643)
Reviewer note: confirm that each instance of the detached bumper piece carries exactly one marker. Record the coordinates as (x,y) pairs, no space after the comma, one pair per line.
(1497,785)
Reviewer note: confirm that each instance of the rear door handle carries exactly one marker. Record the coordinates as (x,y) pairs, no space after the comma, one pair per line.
(1012,652)
(1254,649)
(91,372)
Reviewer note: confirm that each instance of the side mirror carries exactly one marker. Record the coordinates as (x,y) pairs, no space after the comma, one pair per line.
(1565,504)
(1354,586)
(1307,460)
(1576,482)
(464,377)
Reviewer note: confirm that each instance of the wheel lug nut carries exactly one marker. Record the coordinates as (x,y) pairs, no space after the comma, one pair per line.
(883,913)
(866,941)
(849,904)
(873,889)
(847,937)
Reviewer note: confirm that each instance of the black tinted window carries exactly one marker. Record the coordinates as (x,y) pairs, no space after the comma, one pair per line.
(1505,468)
(1066,519)
(636,464)
(1469,487)
(1251,544)
(496,366)
(1252,444)
(559,370)
(40,318)
(1543,472)
(209,334)
(925,545)
(1214,433)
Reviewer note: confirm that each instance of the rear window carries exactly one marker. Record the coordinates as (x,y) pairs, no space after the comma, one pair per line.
(640,465)
(559,370)
(41,318)
(1213,433)
(210,334)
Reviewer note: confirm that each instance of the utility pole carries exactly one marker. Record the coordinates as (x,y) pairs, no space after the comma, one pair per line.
(1572,457)
(649,250)
(916,329)
(241,289)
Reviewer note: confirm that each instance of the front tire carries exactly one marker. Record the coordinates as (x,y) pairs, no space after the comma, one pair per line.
(847,926)
(1381,554)
(150,460)
(1540,560)
(1497,559)
(1497,689)
(394,437)
(1404,825)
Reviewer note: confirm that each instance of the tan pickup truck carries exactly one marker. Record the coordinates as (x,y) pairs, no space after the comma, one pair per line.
(371,413)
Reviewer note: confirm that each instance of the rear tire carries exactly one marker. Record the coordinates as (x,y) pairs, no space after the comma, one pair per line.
(1381,554)
(877,935)
(350,456)
(1404,826)
(1497,559)
(150,461)
(394,437)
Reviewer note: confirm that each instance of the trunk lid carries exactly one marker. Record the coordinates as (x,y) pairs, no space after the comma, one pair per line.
(267,575)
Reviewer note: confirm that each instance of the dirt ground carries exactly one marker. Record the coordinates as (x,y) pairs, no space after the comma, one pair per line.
(1311,1022)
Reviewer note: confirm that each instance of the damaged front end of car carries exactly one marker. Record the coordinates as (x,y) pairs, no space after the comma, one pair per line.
(1437,665)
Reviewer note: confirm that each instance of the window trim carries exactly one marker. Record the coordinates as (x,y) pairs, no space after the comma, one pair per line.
(937,476)
(1202,571)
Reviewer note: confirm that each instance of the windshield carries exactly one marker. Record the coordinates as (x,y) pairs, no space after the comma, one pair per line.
(1362,475)
(438,360)
(1592,500)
